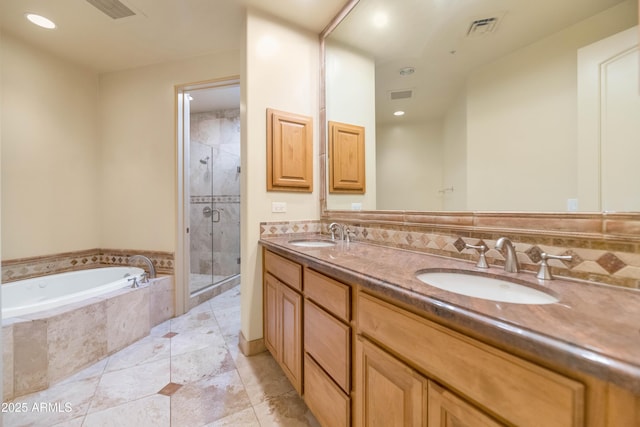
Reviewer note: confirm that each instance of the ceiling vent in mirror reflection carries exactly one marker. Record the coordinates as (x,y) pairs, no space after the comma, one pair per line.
(400,94)
(113,8)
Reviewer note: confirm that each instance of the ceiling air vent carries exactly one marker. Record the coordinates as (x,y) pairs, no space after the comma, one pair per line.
(400,94)
(481,27)
(113,8)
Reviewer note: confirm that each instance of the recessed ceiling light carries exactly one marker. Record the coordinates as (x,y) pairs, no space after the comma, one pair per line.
(399,113)
(40,21)
(380,19)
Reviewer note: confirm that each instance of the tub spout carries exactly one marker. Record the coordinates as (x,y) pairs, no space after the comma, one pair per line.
(152,269)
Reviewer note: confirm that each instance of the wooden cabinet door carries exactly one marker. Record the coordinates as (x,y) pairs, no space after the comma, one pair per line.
(389,392)
(283,327)
(448,410)
(271,316)
(291,335)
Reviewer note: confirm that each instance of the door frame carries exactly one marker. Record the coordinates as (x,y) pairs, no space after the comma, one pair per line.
(182,256)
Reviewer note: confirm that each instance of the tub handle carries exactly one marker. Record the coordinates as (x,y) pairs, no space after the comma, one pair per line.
(135,282)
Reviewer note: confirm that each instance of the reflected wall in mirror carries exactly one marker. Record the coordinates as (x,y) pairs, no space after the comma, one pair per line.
(501,109)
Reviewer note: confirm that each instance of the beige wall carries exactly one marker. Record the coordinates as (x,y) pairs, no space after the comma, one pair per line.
(409,166)
(350,88)
(454,156)
(138,151)
(280,70)
(50,153)
(88,160)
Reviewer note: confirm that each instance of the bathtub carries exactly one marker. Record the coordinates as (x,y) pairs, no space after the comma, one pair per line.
(42,293)
(57,325)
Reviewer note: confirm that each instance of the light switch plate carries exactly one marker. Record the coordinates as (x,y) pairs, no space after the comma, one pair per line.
(278,207)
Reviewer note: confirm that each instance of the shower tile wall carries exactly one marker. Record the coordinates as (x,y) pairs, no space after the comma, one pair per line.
(215,183)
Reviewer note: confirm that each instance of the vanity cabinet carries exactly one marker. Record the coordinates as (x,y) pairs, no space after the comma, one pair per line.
(282,310)
(490,385)
(327,348)
(370,360)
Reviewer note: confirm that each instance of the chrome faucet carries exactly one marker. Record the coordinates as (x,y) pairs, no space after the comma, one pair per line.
(511,260)
(152,269)
(335,226)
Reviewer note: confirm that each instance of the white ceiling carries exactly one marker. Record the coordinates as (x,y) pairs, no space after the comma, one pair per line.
(161,31)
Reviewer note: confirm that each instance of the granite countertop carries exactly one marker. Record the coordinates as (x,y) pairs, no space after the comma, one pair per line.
(593,328)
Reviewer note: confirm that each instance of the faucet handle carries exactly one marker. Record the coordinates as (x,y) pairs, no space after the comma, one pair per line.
(135,282)
(482,261)
(544,273)
(144,278)
(347,234)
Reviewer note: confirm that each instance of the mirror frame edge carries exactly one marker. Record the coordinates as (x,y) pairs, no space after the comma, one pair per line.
(616,226)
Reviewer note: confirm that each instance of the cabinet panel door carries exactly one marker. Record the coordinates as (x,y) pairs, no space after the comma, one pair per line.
(271,316)
(389,392)
(291,356)
(325,399)
(448,410)
(328,341)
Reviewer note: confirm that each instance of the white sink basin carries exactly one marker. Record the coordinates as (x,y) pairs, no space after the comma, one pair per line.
(312,243)
(485,287)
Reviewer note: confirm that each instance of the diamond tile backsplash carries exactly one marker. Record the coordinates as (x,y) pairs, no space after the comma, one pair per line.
(613,263)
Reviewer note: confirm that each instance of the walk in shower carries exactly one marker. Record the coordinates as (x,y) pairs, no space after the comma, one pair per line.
(214,187)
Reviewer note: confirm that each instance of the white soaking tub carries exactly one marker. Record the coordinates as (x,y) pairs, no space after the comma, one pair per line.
(42,293)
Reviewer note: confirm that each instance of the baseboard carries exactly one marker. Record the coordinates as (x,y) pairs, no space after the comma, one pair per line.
(250,348)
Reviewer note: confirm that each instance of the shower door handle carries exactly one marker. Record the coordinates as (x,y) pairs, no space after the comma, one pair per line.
(208,213)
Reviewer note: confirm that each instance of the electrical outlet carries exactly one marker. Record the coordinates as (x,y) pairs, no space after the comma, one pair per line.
(356,206)
(278,207)
(572,205)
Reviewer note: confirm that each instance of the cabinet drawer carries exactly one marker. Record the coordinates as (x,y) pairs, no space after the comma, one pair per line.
(517,391)
(330,294)
(286,271)
(327,402)
(328,341)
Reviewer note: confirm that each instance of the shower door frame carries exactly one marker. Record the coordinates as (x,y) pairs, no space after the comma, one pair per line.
(183,256)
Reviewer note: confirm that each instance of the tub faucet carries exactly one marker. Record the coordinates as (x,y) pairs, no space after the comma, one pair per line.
(511,260)
(152,269)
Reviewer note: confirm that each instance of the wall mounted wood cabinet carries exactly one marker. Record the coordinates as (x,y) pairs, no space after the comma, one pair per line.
(289,152)
(346,158)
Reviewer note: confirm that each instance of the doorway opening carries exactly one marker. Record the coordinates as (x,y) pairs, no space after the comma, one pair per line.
(209,141)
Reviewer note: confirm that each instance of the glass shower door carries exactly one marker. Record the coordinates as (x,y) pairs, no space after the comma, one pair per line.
(215,198)
(201,216)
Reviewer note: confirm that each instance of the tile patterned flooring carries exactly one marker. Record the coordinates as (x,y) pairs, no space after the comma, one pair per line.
(187,373)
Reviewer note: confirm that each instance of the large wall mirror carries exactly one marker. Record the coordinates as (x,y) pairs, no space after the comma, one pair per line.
(490,105)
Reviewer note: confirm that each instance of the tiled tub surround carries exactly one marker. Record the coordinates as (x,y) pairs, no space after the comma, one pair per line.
(605,249)
(44,348)
(26,268)
(591,330)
